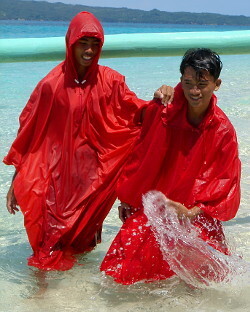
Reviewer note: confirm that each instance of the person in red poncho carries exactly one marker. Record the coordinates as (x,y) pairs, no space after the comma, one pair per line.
(188,151)
(76,132)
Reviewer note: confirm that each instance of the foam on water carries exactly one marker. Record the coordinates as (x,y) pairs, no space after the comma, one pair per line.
(191,258)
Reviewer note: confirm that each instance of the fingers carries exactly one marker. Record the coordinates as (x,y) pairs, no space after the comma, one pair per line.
(11,205)
(168,95)
(180,209)
(171,96)
(11,202)
(120,212)
(12,208)
(124,211)
(158,94)
(165,93)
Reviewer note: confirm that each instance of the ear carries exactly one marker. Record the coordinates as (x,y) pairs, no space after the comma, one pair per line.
(217,84)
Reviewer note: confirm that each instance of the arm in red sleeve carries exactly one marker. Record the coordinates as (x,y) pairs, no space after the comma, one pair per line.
(131,103)
(126,108)
(221,196)
(144,163)
(31,122)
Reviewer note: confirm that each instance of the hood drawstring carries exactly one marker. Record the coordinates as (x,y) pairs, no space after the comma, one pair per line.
(78,82)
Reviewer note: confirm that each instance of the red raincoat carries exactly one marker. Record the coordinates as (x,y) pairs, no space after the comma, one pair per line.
(71,145)
(196,166)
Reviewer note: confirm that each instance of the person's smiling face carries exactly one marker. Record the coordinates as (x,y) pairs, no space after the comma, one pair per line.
(198,88)
(84,51)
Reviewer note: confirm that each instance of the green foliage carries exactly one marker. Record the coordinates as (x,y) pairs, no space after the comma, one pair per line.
(41,10)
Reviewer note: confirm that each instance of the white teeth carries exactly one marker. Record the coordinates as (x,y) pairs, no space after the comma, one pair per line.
(87,58)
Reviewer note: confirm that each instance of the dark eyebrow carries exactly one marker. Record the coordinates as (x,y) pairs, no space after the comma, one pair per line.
(94,38)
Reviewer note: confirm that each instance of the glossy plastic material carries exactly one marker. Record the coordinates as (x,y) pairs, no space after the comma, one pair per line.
(196,166)
(73,141)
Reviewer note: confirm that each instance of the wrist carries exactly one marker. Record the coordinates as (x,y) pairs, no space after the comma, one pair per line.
(193,212)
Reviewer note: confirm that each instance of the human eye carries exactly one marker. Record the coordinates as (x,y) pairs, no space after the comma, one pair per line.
(82,42)
(187,83)
(202,84)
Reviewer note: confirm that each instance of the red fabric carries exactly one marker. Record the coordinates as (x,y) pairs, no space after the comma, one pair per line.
(71,145)
(196,166)
(135,255)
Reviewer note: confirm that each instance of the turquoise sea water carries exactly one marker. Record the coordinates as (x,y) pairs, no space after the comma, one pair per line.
(84,288)
(24,29)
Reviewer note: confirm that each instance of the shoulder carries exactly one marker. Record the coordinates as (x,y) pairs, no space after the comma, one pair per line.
(225,130)
(153,118)
(52,79)
(54,74)
(47,85)
(223,121)
(110,73)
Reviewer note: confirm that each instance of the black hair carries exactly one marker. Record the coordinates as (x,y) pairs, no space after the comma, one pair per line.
(202,59)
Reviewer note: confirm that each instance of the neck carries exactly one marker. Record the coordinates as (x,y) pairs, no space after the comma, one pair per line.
(81,72)
(195,117)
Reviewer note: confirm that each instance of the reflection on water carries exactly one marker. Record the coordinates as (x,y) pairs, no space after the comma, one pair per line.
(84,288)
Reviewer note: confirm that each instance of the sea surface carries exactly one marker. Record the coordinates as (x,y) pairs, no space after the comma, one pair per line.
(84,288)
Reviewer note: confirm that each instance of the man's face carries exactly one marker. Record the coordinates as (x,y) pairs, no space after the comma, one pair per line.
(198,90)
(85,50)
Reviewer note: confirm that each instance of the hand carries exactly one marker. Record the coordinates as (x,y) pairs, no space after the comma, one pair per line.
(165,93)
(11,202)
(125,211)
(183,212)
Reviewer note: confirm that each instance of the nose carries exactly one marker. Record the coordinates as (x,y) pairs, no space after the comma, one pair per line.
(89,49)
(195,90)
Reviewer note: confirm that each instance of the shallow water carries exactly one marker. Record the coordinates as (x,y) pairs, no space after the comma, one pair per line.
(39,29)
(84,288)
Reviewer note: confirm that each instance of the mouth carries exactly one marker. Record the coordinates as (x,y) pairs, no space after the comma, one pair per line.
(195,98)
(87,58)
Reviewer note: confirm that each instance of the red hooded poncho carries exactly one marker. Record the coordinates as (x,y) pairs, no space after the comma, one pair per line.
(71,145)
(196,166)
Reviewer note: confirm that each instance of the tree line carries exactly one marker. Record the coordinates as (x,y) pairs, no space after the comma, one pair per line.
(45,11)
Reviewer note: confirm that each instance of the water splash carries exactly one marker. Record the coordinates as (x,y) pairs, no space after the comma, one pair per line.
(191,258)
